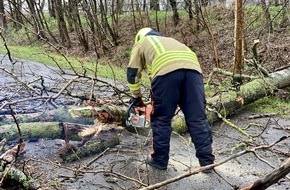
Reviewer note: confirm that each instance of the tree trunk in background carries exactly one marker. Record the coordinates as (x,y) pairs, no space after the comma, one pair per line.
(285,20)
(106,24)
(88,9)
(15,7)
(37,25)
(63,33)
(267,16)
(3,22)
(51,10)
(175,12)
(100,32)
(46,25)
(197,12)
(41,5)
(78,25)
(239,43)
(68,11)
(119,6)
(188,5)
(154,5)
(144,5)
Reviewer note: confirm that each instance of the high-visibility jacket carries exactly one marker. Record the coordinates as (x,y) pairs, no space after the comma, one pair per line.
(158,55)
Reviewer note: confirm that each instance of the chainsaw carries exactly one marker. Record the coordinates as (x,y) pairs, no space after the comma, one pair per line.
(138,116)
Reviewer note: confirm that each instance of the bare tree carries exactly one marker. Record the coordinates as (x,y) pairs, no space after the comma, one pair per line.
(15,7)
(154,5)
(175,13)
(51,10)
(239,43)
(267,16)
(285,20)
(105,22)
(78,27)
(188,7)
(3,22)
(63,32)
(37,23)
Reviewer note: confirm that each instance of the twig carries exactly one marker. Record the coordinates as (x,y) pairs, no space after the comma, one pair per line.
(125,177)
(256,116)
(99,156)
(18,128)
(265,161)
(228,122)
(199,169)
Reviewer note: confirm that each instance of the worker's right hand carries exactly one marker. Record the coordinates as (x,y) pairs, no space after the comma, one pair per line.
(138,102)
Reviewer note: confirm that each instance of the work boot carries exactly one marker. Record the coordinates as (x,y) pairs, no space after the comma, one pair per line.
(149,160)
(208,171)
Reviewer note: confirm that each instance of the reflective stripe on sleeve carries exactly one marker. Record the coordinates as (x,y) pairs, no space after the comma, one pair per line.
(135,87)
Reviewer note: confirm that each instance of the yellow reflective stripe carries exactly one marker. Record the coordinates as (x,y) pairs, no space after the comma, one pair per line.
(170,56)
(135,87)
(156,44)
(149,68)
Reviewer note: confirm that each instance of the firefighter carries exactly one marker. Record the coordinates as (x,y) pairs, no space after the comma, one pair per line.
(176,80)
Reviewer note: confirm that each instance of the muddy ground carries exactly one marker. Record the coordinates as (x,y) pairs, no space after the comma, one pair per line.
(123,166)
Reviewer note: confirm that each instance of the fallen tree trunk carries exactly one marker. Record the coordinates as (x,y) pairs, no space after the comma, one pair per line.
(95,139)
(104,114)
(57,115)
(91,148)
(227,103)
(35,130)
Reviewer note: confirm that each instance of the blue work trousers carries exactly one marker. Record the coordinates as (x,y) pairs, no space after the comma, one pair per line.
(185,88)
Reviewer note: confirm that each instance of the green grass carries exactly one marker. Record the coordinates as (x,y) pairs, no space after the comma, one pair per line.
(39,54)
(270,105)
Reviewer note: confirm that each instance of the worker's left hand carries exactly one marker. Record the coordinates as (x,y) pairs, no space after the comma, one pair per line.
(138,102)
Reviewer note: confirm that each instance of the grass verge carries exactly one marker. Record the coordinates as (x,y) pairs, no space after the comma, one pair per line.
(270,104)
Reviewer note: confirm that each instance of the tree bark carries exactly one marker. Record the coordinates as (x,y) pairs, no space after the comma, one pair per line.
(3,22)
(36,130)
(267,16)
(154,5)
(175,12)
(37,24)
(63,32)
(78,26)
(93,147)
(15,7)
(239,43)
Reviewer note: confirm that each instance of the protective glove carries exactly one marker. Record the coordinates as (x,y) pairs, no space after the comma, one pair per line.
(138,102)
